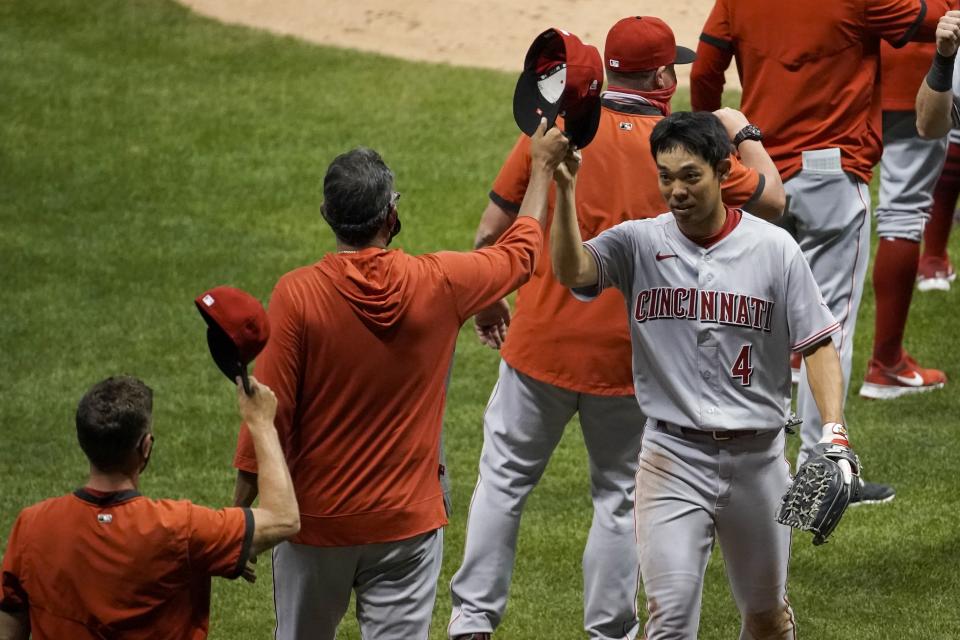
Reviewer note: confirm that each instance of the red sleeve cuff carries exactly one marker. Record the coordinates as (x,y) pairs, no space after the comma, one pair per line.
(243,463)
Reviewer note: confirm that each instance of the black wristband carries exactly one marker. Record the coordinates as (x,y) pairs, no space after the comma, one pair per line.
(940,76)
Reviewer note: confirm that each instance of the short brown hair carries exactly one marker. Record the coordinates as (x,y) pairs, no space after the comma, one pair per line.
(112,418)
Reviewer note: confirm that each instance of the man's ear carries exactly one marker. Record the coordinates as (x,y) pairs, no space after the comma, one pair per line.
(723,169)
(665,77)
(146,445)
(662,78)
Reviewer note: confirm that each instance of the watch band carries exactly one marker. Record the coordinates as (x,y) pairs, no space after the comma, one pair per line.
(749,132)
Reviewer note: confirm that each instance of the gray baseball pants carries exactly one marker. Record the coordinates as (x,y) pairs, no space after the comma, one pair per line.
(909,170)
(693,491)
(522,425)
(828,212)
(395,583)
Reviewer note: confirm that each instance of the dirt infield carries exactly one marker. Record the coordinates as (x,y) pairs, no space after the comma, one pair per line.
(493,34)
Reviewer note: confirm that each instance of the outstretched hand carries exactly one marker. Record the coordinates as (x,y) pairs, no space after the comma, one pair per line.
(566,172)
(948,33)
(259,409)
(548,146)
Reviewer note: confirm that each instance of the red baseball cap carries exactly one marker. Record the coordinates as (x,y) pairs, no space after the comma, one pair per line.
(237,329)
(561,76)
(641,43)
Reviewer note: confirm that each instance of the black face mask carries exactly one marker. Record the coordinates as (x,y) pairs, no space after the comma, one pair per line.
(395,230)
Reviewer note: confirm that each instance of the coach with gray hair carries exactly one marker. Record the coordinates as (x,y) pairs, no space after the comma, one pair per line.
(359,350)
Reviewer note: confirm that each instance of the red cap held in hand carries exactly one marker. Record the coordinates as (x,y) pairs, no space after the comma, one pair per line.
(561,76)
(237,329)
(642,43)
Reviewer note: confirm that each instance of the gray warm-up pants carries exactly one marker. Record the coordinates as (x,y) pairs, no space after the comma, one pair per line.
(522,425)
(395,583)
(828,212)
(909,170)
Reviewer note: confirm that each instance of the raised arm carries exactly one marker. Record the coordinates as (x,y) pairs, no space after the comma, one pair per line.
(573,265)
(769,205)
(277,517)
(935,99)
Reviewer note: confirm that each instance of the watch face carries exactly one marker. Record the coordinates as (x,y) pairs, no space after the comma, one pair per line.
(749,132)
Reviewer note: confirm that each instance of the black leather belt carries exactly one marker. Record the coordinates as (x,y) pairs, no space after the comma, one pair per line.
(724,434)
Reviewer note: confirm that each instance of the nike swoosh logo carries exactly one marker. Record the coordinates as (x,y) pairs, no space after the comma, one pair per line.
(664,256)
(913,380)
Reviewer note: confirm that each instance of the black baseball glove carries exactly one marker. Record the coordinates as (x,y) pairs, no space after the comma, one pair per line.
(823,488)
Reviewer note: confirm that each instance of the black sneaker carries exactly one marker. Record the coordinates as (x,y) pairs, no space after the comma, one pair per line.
(875,493)
(474,636)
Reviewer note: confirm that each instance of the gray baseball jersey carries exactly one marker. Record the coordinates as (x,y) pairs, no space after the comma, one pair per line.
(712,327)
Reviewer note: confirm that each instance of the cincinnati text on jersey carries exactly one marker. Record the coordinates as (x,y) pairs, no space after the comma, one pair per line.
(722,307)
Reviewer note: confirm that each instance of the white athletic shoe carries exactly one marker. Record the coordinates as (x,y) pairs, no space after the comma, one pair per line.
(934,274)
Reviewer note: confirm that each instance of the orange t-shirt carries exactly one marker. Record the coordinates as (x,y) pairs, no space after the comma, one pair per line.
(809,71)
(554,337)
(118,565)
(360,344)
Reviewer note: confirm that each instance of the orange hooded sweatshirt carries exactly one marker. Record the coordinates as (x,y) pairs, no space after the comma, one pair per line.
(360,344)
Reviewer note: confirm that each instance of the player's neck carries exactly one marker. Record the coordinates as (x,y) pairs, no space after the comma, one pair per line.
(707,226)
(111,482)
(380,241)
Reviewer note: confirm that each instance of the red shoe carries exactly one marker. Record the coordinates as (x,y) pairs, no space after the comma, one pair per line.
(795,360)
(935,274)
(884,383)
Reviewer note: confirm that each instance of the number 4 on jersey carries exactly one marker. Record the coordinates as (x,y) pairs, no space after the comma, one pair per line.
(743,365)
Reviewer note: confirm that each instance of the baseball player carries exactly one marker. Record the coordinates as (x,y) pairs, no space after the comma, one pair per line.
(909,168)
(359,350)
(106,562)
(809,75)
(716,300)
(564,357)
(933,117)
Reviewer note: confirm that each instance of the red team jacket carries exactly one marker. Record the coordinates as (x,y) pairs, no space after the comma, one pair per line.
(359,349)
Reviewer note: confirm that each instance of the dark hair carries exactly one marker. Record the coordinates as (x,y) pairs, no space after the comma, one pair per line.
(357,191)
(700,133)
(112,418)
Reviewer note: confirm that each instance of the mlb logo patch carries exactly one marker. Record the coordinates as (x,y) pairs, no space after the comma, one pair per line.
(626,126)
(614,63)
(104,518)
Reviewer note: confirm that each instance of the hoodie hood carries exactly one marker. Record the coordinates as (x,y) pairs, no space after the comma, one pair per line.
(374,283)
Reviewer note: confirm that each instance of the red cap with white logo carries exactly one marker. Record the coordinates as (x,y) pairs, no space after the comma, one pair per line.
(237,329)
(642,43)
(561,76)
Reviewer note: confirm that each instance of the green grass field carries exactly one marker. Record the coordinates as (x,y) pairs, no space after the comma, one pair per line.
(147,154)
